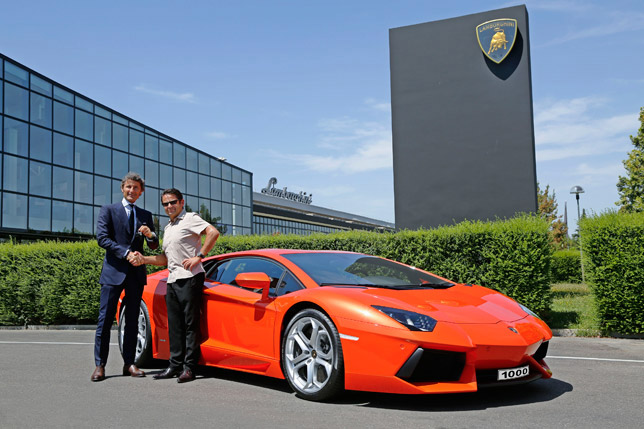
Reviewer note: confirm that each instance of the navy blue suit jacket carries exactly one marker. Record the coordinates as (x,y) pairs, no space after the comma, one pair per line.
(113,235)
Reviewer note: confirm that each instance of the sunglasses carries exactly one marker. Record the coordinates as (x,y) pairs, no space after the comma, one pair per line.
(170,203)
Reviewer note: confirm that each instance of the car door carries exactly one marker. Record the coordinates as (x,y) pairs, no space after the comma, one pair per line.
(240,325)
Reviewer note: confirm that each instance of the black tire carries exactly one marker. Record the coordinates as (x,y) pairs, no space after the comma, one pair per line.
(143,355)
(311,354)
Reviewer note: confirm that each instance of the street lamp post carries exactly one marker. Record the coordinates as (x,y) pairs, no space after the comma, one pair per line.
(579,190)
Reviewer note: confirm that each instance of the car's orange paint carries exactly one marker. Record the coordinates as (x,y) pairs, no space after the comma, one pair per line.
(242,331)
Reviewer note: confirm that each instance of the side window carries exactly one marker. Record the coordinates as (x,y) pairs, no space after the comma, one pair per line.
(214,273)
(226,273)
(288,284)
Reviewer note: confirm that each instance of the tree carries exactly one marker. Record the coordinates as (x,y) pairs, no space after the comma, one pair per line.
(631,187)
(547,209)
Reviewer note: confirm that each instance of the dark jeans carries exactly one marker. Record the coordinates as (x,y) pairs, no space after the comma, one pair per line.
(183,299)
(107,312)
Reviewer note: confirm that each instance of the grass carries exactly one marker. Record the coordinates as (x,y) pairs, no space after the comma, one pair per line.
(573,307)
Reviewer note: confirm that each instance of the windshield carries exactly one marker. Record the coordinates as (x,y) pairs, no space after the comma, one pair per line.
(361,270)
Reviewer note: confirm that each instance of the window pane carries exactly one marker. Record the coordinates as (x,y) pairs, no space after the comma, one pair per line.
(246,178)
(246,198)
(103,158)
(102,112)
(215,168)
(215,210)
(40,85)
(119,164)
(63,150)
(192,183)
(83,187)
(246,216)
(119,137)
(62,95)
(83,219)
(102,131)
(226,172)
(39,179)
(63,184)
(16,101)
(179,155)
(135,126)
(151,147)
(15,137)
(136,142)
(165,151)
(84,125)
(120,120)
(40,144)
(226,214)
(226,191)
(14,174)
(16,74)
(179,179)
(102,190)
(152,200)
(61,216)
(40,110)
(204,186)
(151,174)
(237,195)
(204,164)
(84,104)
(215,189)
(63,118)
(136,164)
(117,194)
(237,175)
(191,160)
(14,211)
(83,156)
(165,176)
(39,213)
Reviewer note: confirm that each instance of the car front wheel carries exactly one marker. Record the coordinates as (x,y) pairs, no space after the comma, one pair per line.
(143,355)
(312,356)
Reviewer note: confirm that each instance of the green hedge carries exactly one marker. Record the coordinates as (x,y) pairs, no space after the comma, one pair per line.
(566,266)
(613,247)
(54,283)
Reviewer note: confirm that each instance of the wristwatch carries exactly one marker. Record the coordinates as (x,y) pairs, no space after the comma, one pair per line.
(201,255)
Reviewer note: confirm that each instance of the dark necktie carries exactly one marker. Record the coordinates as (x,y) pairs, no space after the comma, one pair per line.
(131,218)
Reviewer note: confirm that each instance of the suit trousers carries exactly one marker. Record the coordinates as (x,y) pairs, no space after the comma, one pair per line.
(183,300)
(107,312)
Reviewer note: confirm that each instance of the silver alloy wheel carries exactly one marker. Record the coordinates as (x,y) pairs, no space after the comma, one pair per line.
(309,355)
(141,336)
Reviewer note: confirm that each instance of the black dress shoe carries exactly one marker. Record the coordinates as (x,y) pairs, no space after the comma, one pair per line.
(133,371)
(186,376)
(99,373)
(167,373)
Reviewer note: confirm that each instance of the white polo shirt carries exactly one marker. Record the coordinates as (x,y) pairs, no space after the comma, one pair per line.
(182,240)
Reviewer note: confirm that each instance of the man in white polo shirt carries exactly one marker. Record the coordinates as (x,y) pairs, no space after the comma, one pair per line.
(182,253)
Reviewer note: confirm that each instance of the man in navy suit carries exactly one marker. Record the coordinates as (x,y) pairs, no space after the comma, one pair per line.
(120,231)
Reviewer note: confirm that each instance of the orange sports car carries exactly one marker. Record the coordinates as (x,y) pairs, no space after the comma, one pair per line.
(328,321)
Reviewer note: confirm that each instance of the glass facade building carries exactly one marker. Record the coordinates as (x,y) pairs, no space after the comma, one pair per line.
(63,155)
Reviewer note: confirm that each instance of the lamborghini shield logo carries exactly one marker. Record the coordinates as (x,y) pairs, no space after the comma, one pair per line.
(496,38)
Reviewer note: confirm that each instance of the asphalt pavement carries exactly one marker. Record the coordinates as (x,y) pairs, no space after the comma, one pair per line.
(45,382)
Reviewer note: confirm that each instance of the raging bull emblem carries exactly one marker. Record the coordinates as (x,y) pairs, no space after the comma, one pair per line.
(496,38)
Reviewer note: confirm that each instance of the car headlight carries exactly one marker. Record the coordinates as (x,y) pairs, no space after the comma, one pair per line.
(527,310)
(409,319)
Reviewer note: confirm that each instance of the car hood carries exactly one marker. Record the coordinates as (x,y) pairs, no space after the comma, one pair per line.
(457,304)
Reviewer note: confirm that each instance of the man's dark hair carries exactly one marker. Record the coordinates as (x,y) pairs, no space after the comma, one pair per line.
(135,177)
(172,191)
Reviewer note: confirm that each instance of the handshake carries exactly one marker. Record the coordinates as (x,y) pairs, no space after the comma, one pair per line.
(135,258)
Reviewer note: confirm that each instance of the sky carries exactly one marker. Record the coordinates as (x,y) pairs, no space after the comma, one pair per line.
(300,90)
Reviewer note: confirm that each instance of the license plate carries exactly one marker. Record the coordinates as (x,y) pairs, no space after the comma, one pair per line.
(512,373)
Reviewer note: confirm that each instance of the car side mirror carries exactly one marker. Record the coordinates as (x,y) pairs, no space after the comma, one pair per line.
(255,281)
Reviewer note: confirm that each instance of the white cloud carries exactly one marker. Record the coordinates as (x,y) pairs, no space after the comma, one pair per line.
(567,129)
(218,135)
(357,147)
(186,97)
(378,105)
